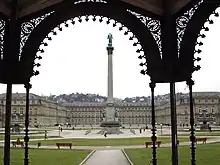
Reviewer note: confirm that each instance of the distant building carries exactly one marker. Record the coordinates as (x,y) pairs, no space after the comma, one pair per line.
(44,112)
(91,113)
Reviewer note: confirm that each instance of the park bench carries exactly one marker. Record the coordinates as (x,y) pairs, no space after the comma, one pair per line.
(15,143)
(158,143)
(203,140)
(64,145)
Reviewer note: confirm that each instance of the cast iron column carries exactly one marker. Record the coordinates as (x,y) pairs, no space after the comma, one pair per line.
(26,138)
(192,129)
(153,137)
(173,124)
(7,125)
(170,58)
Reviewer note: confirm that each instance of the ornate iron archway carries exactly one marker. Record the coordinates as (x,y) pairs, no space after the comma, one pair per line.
(117,16)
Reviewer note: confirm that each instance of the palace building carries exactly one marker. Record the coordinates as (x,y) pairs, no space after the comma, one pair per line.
(44,112)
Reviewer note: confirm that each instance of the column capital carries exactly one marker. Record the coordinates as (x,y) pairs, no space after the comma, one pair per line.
(28,85)
(190,82)
(110,50)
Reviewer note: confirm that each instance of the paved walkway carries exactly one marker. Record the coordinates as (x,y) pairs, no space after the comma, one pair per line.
(107,157)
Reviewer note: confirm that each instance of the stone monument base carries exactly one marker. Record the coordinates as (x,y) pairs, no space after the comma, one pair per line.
(110,127)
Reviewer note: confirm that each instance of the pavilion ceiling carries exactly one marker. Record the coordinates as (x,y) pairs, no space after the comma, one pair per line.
(27,7)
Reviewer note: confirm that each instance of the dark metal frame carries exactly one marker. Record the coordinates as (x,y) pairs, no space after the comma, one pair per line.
(152,86)
(165,62)
(190,83)
(7,125)
(26,138)
(117,14)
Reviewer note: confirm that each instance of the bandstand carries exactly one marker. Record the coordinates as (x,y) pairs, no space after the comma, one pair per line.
(165,31)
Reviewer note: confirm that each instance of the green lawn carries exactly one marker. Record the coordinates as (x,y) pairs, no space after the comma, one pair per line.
(47,157)
(106,142)
(15,137)
(206,154)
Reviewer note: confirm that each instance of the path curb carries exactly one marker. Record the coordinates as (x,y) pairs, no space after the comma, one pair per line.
(127,157)
(88,156)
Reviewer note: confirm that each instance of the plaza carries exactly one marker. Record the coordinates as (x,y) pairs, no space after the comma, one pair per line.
(119,149)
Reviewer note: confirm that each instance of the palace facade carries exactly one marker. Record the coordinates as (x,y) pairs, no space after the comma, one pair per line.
(44,112)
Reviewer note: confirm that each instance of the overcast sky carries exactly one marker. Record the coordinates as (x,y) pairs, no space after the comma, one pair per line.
(76,61)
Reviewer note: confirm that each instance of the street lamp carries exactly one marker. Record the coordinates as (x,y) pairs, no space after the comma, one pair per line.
(161,127)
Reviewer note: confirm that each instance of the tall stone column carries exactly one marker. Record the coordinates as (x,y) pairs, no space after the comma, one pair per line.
(110,109)
(110,122)
(110,49)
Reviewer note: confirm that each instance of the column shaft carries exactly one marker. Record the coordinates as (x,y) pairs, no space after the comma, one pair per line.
(110,79)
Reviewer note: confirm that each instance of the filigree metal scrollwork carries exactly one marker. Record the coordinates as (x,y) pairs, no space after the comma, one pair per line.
(2,32)
(153,25)
(82,1)
(182,22)
(28,27)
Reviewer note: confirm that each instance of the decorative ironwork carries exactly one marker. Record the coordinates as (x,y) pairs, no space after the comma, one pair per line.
(153,123)
(192,129)
(94,18)
(83,1)
(2,32)
(153,25)
(182,22)
(28,27)
(205,28)
(201,36)
(26,138)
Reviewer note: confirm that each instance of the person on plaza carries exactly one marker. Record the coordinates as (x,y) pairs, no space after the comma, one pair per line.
(38,144)
(105,134)
(45,135)
(18,140)
(210,129)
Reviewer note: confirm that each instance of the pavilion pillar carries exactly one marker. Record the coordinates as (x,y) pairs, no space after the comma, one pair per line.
(170,58)
(10,57)
(7,125)
(173,124)
(190,83)
(153,123)
(26,138)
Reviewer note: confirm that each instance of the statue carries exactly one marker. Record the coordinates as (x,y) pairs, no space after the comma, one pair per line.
(110,37)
